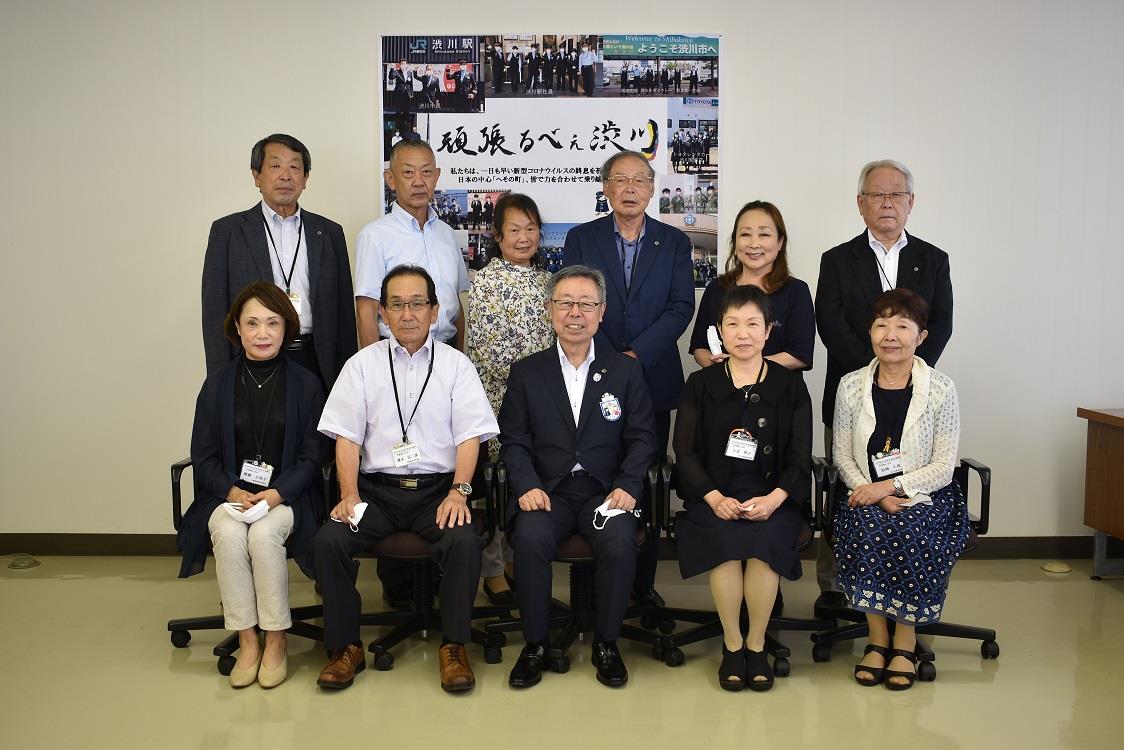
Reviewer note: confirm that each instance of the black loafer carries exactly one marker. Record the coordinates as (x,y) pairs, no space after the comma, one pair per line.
(610,666)
(527,671)
(648,597)
(828,601)
(505,598)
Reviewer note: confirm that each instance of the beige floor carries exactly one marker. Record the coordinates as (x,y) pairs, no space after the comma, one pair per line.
(85,662)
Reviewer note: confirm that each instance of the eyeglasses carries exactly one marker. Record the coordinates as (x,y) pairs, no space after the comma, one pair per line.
(620,180)
(568,305)
(417,305)
(881,197)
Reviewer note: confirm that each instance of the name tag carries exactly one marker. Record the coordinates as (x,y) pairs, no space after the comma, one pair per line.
(296,300)
(256,473)
(741,445)
(886,464)
(405,454)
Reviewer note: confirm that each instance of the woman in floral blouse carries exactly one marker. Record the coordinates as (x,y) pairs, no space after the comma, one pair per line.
(507,320)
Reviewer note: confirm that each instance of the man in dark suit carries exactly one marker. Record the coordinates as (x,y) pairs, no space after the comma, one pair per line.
(475,209)
(534,62)
(464,80)
(514,69)
(678,78)
(303,253)
(852,275)
(577,432)
(548,60)
(402,78)
(651,297)
(495,57)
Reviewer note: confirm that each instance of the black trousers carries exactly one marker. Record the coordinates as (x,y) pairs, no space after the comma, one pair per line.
(456,549)
(535,541)
(587,79)
(650,555)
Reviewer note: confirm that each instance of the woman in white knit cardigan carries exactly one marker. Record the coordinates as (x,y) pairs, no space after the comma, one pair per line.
(896,432)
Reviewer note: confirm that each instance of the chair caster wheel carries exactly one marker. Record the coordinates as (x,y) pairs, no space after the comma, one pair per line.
(493,654)
(226,665)
(989,650)
(648,622)
(926,671)
(180,638)
(821,652)
(781,667)
(384,661)
(666,627)
(673,657)
(498,639)
(560,664)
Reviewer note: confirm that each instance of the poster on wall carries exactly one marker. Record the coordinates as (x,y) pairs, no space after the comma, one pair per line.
(540,113)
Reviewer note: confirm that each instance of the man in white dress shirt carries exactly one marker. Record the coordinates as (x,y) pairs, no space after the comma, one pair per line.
(416,409)
(412,233)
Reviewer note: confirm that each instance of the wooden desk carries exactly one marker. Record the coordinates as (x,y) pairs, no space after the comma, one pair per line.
(1104,485)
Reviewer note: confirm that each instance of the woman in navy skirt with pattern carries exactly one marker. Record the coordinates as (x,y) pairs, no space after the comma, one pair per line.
(905,521)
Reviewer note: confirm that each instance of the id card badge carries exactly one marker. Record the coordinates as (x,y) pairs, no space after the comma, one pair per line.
(256,472)
(741,445)
(296,300)
(887,463)
(405,454)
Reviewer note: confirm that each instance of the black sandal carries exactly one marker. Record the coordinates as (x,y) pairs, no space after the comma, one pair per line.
(757,664)
(731,672)
(877,672)
(909,676)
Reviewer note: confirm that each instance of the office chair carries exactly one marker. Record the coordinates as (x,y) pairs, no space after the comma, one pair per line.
(926,670)
(575,619)
(180,629)
(668,648)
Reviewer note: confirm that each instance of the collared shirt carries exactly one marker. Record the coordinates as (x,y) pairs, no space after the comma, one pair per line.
(397,238)
(587,58)
(574,379)
(887,259)
(453,408)
(284,233)
(628,250)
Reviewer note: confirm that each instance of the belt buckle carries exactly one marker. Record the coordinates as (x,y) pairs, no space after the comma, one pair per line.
(408,484)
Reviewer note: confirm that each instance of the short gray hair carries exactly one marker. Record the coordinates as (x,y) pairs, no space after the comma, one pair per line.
(892,164)
(577,272)
(607,167)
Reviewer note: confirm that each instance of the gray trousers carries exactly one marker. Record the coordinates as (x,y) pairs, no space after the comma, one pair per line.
(251,569)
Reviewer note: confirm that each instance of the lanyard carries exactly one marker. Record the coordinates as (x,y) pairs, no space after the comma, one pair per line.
(259,435)
(882,270)
(293,266)
(394,381)
(746,390)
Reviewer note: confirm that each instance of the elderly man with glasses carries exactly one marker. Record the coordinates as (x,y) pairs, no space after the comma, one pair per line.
(577,436)
(852,276)
(650,298)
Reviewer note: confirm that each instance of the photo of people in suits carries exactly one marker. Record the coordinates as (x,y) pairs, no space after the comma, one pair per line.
(431,87)
(529,65)
(692,138)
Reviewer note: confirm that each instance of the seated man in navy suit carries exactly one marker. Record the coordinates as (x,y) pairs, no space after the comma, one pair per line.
(651,298)
(577,432)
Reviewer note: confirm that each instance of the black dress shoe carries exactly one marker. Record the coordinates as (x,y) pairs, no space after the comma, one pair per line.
(610,666)
(828,601)
(648,597)
(505,598)
(528,668)
(399,597)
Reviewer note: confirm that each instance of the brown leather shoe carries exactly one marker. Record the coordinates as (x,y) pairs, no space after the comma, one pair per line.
(456,674)
(341,670)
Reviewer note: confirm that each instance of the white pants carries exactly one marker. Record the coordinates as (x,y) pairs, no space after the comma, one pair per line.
(251,568)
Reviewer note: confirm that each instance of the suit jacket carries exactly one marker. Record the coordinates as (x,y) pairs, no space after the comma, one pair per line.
(216,466)
(657,308)
(541,443)
(848,285)
(238,255)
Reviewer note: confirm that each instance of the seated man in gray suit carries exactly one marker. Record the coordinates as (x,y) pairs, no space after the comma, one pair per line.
(577,432)
(301,252)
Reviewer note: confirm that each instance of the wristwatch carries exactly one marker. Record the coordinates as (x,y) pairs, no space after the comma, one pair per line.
(899,489)
(464,488)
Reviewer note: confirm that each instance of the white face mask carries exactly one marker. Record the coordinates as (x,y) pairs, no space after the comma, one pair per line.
(603,511)
(356,516)
(256,512)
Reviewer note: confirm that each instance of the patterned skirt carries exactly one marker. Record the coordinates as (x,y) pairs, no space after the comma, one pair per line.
(898,565)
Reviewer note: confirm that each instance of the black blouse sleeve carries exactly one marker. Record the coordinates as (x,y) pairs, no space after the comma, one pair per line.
(796,474)
(801,323)
(692,479)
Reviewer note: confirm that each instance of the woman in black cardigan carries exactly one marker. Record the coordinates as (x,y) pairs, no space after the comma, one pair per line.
(743,450)
(255,442)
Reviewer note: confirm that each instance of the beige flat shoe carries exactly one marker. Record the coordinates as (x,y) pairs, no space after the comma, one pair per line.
(271,678)
(241,677)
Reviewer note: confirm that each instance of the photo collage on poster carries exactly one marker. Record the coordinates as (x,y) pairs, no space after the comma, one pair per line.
(540,113)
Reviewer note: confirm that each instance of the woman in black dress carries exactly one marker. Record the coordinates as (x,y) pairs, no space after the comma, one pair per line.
(743,446)
(759,256)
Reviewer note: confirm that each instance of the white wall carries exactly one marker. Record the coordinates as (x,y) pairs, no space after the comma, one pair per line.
(127,127)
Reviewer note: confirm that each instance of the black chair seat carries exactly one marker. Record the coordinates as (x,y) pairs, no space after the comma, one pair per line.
(577,550)
(402,545)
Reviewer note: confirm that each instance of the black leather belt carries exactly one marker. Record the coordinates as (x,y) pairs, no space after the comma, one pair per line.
(409,481)
(579,473)
(304,341)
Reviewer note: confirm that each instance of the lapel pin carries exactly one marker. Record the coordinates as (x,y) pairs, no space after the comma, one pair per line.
(657,242)
(596,377)
(319,232)
(915,268)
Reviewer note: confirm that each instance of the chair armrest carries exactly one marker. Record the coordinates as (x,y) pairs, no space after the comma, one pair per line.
(658,507)
(328,473)
(834,490)
(178,469)
(820,467)
(501,490)
(963,472)
(667,471)
(488,471)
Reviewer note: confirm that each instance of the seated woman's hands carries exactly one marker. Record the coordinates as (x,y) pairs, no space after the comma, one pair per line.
(869,494)
(753,509)
(249,499)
